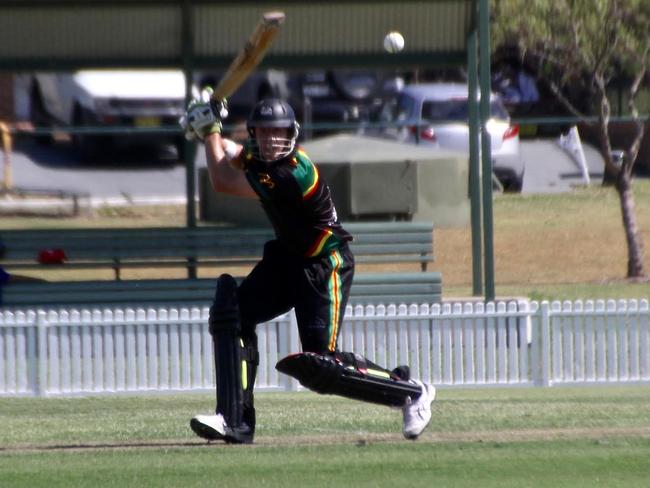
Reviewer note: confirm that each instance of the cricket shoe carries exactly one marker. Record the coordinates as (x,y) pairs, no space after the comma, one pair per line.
(214,428)
(210,427)
(417,413)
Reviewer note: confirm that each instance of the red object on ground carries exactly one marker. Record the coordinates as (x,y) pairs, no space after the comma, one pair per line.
(52,256)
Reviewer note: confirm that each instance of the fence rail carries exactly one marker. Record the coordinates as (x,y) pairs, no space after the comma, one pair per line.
(70,352)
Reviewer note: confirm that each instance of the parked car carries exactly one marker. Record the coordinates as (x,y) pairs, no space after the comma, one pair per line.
(325,101)
(109,98)
(338,100)
(436,115)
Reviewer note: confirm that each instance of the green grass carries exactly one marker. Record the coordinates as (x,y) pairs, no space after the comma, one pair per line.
(558,246)
(583,463)
(478,437)
(116,419)
(566,246)
(565,291)
(549,246)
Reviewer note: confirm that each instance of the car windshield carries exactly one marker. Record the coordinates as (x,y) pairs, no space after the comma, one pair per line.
(403,109)
(457,110)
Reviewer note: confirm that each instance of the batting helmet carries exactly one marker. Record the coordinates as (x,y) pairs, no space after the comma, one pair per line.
(273,113)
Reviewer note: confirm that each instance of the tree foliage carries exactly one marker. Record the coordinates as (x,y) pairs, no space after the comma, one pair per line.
(571,39)
(592,41)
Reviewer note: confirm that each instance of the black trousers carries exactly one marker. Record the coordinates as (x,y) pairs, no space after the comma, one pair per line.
(318,288)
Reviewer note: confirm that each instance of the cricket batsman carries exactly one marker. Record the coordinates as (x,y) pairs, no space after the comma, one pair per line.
(308,267)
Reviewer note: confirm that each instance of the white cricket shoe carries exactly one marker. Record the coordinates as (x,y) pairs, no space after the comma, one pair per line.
(417,414)
(210,427)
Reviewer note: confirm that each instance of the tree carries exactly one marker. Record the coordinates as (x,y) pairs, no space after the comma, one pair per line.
(594,41)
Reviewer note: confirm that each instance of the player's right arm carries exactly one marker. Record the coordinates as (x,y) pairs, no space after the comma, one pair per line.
(225,166)
(224,157)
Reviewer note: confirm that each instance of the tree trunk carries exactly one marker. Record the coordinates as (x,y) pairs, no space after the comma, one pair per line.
(635,252)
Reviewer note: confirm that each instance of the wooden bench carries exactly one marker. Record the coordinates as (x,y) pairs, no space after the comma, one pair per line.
(118,248)
(367,288)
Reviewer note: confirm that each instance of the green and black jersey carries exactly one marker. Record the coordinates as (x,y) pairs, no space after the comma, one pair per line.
(298,202)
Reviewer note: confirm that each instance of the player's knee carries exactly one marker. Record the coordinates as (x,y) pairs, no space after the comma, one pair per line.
(224,312)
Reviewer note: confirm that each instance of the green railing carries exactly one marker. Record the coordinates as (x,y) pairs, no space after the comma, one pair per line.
(305,127)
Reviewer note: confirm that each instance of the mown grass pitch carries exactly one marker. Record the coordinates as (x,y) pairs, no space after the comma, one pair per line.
(482,437)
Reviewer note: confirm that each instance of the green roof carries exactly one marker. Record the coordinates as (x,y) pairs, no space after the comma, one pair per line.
(71,34)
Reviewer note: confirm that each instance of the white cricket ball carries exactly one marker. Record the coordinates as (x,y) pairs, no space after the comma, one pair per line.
(393,42)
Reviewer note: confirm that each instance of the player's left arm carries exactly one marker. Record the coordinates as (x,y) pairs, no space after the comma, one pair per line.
(224,157)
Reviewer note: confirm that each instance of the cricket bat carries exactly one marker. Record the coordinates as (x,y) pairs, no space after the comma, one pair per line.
(250,56)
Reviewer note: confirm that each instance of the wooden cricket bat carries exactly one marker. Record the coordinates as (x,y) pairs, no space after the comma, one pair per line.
(250,56)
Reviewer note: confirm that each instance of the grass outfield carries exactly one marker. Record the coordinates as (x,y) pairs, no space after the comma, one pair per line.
(481,437)
(559,246)
(580,463)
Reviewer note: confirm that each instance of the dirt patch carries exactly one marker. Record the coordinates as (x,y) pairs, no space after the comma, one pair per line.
(359,439)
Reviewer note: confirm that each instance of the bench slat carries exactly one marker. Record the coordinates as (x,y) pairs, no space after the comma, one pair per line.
(117,248)
(366,288)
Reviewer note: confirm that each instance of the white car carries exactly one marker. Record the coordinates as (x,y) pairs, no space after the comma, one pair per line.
(436,115)
(109,98)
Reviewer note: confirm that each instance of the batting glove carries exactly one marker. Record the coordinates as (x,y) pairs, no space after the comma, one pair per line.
(203,117)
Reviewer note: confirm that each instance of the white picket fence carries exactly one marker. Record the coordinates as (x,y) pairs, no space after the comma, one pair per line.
(70,352)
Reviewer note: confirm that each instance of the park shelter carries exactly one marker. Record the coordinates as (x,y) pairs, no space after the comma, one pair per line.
(38,35)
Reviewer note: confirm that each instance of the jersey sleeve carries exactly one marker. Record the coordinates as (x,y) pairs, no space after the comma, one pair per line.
(306,174)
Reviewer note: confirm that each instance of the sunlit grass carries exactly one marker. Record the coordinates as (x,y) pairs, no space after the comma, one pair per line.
(556,246)
(500,437)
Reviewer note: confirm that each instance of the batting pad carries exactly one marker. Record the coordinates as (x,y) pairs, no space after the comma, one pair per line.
(330,375)
(235,363)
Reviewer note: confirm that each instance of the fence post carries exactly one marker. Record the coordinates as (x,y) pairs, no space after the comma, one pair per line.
(644,367)
(535,332)
(32,351)
(611,334)
(524,332)
(545,345)
(40,387)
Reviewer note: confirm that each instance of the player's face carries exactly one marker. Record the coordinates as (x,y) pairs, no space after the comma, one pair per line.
(273,142)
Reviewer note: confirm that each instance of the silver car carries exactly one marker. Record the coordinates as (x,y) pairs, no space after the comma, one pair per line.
(436,115)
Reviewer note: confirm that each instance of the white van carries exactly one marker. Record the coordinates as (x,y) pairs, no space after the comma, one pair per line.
(138,99)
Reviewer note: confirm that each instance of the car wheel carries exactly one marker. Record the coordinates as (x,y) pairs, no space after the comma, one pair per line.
(517,185)
(514,184)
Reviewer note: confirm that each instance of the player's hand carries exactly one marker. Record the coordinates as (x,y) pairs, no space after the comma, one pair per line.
(219,107)
(200,120)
